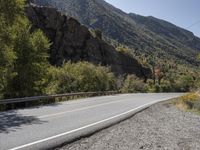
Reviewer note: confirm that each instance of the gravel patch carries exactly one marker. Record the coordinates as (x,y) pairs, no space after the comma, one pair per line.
(160,127)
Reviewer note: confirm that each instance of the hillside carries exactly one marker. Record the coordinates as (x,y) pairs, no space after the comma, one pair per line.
(168,30)
(146,35)
(44,51)
(73,42)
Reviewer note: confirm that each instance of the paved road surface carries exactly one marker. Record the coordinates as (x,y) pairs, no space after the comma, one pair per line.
(49,126)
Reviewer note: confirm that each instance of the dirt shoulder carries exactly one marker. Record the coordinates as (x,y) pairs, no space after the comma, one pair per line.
(160,127)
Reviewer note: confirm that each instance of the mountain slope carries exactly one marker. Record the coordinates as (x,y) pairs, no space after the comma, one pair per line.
(146,35)
(168,30)
(72,41)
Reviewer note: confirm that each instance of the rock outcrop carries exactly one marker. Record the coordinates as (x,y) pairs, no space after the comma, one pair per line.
(145,35)
(73,41)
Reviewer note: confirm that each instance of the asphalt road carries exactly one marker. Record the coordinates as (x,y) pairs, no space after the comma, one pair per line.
(52,125)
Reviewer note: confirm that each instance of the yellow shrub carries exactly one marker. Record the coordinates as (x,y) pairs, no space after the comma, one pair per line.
(189,97)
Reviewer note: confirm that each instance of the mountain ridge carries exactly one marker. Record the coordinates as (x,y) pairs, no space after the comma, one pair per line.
(162,24)
(131,30)
(73,42)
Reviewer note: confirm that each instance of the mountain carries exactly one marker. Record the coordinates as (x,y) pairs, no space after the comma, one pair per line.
(168,30)
(146,35)
(73,42)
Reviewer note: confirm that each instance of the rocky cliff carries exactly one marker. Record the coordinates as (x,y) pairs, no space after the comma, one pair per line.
(73,41)
(146,35)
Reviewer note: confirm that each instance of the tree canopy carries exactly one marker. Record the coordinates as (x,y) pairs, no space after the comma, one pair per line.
(23,54)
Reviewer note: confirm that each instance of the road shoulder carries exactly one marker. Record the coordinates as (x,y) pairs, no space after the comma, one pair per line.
(161,126)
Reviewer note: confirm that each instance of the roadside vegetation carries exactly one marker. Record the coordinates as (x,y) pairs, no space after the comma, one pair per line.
(133,84)
(25,69)
(23,54)
(80,77)
(168,75)
(189,102)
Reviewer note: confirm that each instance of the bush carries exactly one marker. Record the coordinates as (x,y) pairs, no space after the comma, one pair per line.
(197,105)
(184,83)
(80,77)
(133,84)
(124,50)
(191,100)
(189,97)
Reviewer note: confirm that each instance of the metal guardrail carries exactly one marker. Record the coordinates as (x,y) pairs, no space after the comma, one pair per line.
(46,97)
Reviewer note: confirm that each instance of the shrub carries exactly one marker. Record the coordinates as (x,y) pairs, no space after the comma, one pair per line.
(80,77)
(151,87)
(166,87)
(197,105)
(189,97)
(124,50)
(133,84)
(184,83)
(191,100)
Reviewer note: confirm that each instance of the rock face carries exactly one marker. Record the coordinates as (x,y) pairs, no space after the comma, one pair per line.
(146,35)
(73,41)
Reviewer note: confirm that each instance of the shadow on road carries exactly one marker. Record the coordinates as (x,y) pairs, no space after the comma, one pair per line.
(11,120)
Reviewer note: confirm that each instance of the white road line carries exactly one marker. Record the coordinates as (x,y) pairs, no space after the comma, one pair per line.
(84,108)
(80,109)
(90,125)
(81,128)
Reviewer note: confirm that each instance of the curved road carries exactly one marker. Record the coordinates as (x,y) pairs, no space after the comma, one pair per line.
(49,126)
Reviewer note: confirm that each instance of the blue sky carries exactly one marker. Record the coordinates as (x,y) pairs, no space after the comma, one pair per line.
(183,13)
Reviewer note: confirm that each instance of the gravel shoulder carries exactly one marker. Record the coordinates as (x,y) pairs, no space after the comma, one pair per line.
(159,127)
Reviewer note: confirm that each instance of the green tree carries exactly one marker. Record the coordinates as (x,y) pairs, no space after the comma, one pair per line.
(23,54)
(9,11)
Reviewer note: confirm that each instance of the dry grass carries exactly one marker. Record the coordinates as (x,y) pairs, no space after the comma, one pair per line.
(181,106)
(189,102)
